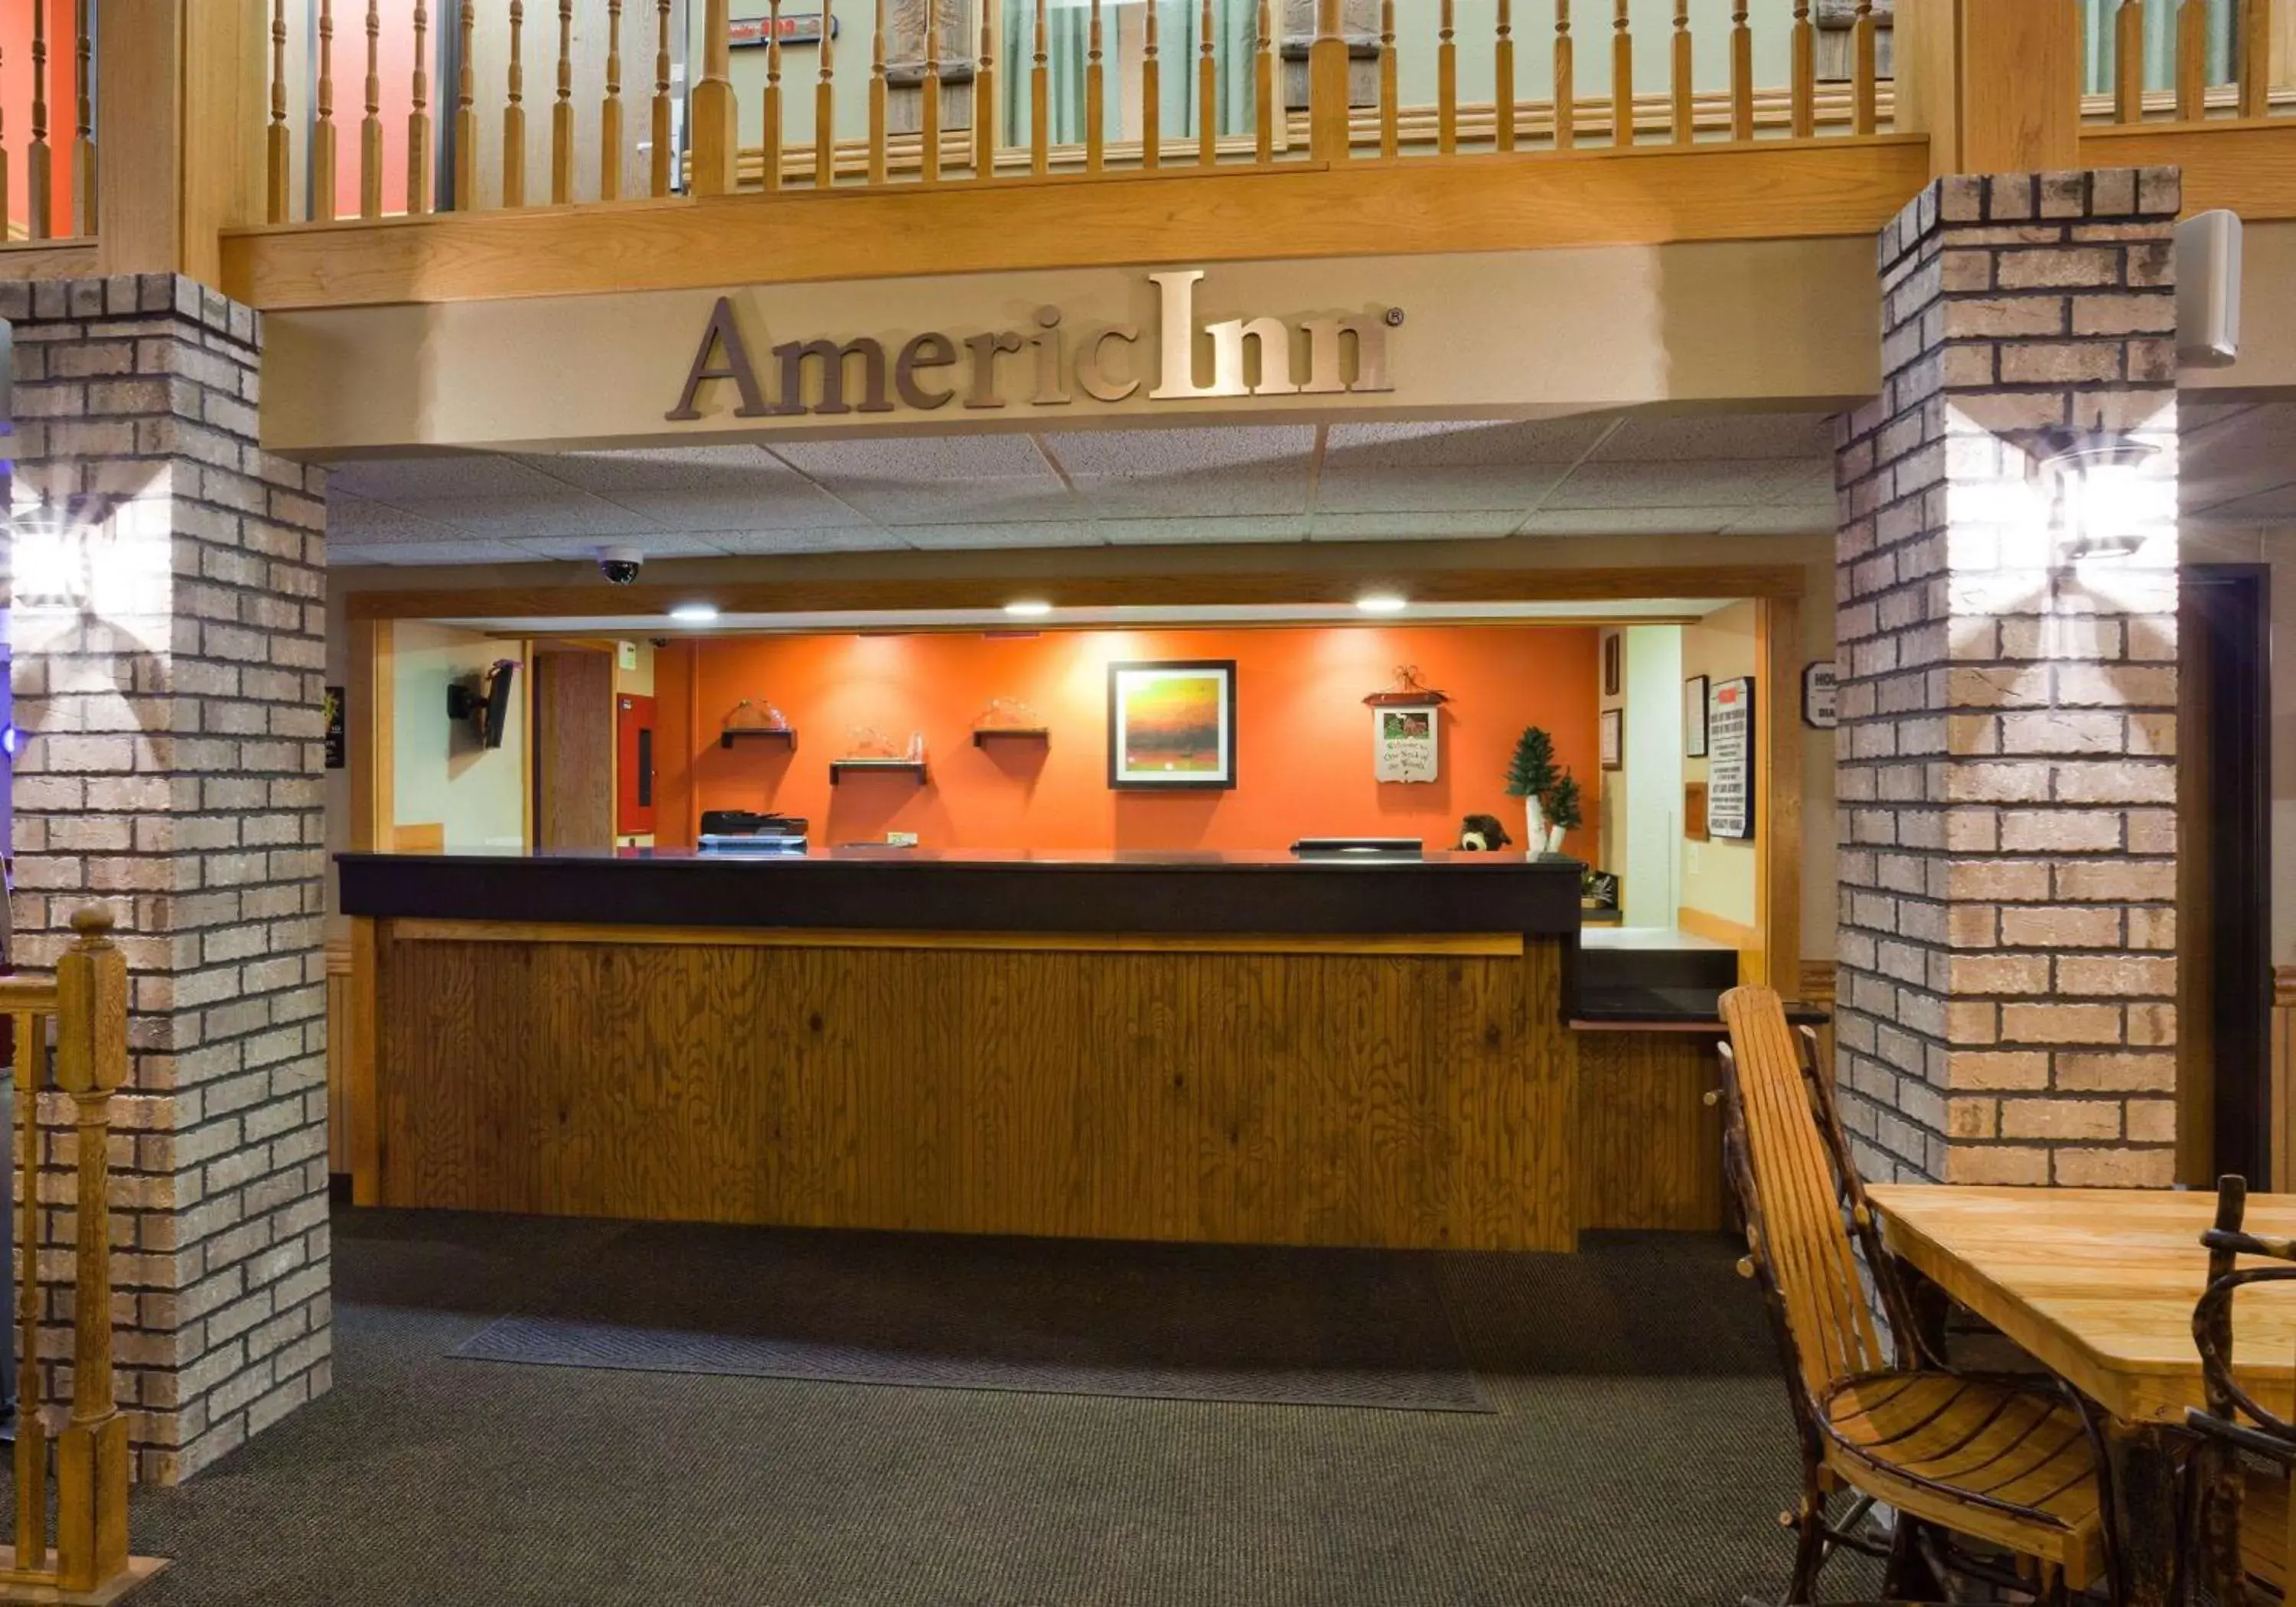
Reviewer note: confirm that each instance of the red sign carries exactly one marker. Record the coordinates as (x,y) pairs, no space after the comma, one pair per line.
(803,28)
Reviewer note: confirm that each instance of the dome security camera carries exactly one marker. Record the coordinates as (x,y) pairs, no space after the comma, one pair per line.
(621,565)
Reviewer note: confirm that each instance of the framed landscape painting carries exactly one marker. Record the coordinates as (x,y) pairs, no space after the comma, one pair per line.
(1171,726)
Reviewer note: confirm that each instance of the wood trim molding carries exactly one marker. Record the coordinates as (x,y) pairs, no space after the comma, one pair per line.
(49,259)
(798,594)
(425,836)
(1817,983)
(2247,165)
(363,1111)
(368,719)
(1831,187)
(2284,987)
(1717,929)
(1777,788)
(1476,946)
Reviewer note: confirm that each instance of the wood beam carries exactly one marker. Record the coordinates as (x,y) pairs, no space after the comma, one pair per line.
(1995,83)
(182,103)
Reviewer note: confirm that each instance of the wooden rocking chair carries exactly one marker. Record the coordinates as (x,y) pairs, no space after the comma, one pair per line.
(2238,1528)
(2008,1462)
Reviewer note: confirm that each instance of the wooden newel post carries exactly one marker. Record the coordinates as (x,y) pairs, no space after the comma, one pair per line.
(715,134)
(1327,86)
(92,1452)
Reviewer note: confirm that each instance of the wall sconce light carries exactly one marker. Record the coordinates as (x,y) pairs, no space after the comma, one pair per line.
(2099,492)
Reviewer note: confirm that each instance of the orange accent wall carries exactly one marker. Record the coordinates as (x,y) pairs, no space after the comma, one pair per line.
(1304,738)
(16,109)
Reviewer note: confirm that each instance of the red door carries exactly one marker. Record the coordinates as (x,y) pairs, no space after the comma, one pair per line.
(633,767)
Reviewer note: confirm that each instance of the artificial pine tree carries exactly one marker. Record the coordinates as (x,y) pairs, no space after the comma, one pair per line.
(1530,775)
(1563,807)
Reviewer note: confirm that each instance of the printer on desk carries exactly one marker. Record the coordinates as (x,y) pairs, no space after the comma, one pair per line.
(742,832)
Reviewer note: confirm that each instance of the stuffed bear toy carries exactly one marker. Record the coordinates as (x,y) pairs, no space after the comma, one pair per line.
(1482,835)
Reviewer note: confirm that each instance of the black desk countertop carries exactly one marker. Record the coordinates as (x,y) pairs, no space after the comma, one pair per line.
(912,890)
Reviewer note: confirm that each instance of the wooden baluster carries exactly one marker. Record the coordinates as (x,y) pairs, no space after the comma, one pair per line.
(513,184)
(1207,85)
(418,118)
(1152,93)
(275,136)
(2193,60)
(83,120)
(561,112)
(1264,82)
(1040,98)
(1503,76)
(610,113)
(825,110)
(1095,96)
(371,129)
(773,152)
(665,157)
(928,122)
(1390,80)
(1622,77)
(2252,55)
(323,130)
(92,1451)
(1804,94)
(4,197)
(1330,132)
(2129,62)
(715,134)
(984,96)
(31,1424)
(877,99)
(1566,90)
(1742,75)
(39,164)
(1864,45)
(1685,97)
(1447,81)
(466,113)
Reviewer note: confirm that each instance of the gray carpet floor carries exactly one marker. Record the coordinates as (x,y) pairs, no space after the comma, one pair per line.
(1638,1455)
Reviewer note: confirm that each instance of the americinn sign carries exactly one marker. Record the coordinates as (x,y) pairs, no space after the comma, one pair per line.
(1046,364)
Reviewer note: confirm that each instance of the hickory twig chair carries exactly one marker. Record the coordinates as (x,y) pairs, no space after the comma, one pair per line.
(2008,1462)
(2238,1521)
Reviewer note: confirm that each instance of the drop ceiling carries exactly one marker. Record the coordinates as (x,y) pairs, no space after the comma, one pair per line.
(1739,475)
(2237,463)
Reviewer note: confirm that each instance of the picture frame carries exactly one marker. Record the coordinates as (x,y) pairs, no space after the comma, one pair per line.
(1614,664)
(1614,739)
(1407,742)
(1694,716)
(1730,797)
(1171,725)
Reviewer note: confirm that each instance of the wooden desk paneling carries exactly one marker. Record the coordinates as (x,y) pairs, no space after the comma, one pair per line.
(1649,1146)
(1255,1097)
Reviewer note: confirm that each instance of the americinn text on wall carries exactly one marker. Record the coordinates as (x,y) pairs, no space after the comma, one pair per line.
(1048,366)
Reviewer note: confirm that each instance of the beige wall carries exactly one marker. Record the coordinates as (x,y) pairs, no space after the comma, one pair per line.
(1718,877)
(440,772)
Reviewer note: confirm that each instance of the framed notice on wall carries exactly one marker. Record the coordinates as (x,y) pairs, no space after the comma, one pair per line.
(1730,759)
(1405,741)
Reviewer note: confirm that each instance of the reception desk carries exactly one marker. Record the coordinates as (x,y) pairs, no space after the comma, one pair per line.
(1206,1047)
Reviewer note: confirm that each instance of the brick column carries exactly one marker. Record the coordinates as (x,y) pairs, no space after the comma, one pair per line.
(2006,761)
(167,610)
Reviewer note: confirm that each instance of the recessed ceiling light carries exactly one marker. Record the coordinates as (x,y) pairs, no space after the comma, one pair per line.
(1029,607)
(694,613)
(1380,602)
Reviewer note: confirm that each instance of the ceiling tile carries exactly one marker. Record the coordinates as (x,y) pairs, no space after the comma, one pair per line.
(843,538)
(1244,531)
(1414,527)
(1676,485)
(355,519)
(429,552)
(1462,444)
(1212,492)
(560,513)
(1632,521)
(1473,490)
(576,547)
(1646,438)
(2276,505)
(789,501)
(916,459)
(1787,518)
(966,502)
(1180,452)
(703,469)
(445,475)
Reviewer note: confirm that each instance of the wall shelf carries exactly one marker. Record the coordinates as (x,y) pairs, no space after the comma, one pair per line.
(839,768)
(1019,733)
(725,738)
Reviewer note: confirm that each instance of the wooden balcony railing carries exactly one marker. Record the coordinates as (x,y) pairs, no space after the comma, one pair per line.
(67,1088)
(1306,80)
(2220,59)
(47,163)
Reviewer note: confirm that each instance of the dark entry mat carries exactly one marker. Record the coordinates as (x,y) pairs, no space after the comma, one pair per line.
(1169,1322)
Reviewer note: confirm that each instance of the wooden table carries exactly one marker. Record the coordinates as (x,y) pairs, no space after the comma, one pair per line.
(2099,1284)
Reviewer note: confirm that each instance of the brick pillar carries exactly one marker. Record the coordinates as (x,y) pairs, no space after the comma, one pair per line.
(2005,760)
(166,611)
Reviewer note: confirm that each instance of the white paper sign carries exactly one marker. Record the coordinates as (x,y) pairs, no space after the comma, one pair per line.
(1820,697)
(1403,739)
(1730,759)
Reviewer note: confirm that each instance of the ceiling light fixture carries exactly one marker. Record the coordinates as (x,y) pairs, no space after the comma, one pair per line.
(1380,602)
(694,613)
(1029,607)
